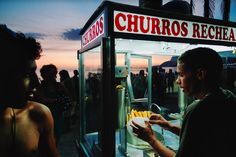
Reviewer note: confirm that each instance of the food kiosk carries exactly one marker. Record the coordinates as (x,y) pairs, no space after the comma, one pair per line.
(117,42)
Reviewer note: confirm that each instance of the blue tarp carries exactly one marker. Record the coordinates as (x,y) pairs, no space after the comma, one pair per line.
(228,54)
(228,57)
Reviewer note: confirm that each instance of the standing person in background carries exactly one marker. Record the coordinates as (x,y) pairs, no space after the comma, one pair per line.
(76,83)
(26,127)
(75,78)
(51,93)
(140,85)
(207,128)
(158,86)
(170,77)
(69,84)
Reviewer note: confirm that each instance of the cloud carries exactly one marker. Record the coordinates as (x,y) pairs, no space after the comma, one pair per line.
(58,49)
(72,34)
(35,35)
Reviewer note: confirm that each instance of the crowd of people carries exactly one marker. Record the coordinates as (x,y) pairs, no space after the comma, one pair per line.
(58,96)
(161,80)
(163,83)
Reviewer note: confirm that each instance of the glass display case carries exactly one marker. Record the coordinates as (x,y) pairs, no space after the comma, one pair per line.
(128,55)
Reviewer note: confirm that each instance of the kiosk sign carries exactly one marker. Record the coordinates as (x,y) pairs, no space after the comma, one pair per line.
(94,31)
(126,22)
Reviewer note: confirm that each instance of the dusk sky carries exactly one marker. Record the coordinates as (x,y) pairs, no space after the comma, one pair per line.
(56,24)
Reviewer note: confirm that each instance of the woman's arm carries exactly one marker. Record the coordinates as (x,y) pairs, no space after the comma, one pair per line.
(47,143)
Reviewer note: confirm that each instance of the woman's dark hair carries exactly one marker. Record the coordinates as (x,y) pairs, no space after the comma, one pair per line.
(205,58)
(18,50)
(17,44)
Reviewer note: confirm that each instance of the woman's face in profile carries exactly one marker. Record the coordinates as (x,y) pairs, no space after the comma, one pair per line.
(15,88)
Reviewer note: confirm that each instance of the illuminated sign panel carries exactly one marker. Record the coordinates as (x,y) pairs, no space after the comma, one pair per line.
(126,22)
(94,31)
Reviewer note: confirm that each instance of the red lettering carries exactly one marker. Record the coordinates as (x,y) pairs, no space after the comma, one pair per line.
(143,30)
(225,32)
(184,29)
(218,33)
(133,23)
(101,25)
(204,31)
(97,28)
(90,34)
(210,32)
(175,28)
(165,27)
(94,31)
(196,33)
(86,38)
(231,35)
(119,17)
(155,26)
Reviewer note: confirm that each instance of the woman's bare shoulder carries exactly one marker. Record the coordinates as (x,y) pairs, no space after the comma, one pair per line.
(33,105)
(39,112)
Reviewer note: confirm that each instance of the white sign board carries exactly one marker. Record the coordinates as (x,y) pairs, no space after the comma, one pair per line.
(126,22)
(94,31)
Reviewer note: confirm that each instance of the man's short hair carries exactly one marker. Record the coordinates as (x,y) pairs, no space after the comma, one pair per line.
(205,58)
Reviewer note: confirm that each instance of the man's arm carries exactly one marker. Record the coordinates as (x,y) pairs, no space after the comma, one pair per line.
(162,150)
(174,129)
(146,133)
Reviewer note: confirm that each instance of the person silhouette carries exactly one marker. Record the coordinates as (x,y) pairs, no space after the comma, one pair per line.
(26,127)
(140,85)
(76,83)
(52,93)
(170,77)
(75,78)
(68,82)
(158,86)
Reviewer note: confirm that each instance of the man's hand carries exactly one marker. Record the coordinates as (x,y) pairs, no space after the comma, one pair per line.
(143,132)
(159,120)
(162,122)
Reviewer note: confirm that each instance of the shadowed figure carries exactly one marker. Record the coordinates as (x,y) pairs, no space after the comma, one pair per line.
(207,128)
(26,127)
(158,86)
(52,93)
(70,86)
